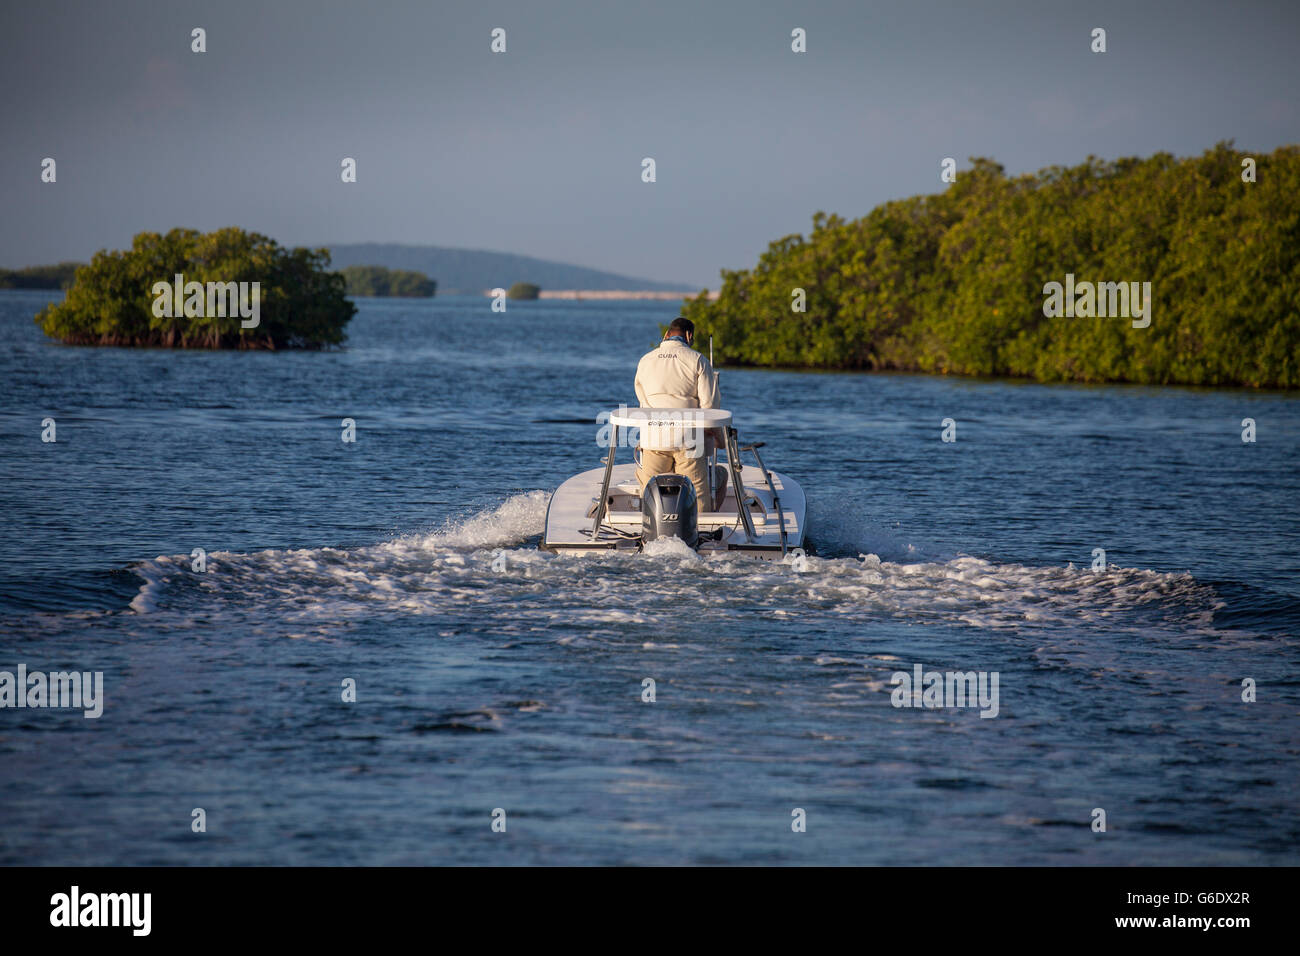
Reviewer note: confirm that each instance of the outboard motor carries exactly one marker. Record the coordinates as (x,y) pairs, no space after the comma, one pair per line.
(668,509)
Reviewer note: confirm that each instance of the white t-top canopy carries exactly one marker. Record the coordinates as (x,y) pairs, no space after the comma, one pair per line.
(668,429)
(651,417)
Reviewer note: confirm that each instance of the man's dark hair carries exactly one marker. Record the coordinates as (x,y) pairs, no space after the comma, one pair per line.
(681,324)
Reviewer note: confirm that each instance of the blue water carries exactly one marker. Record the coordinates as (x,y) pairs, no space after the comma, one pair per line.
(521,689)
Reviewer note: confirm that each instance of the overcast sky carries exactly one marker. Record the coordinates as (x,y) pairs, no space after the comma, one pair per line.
(538,150)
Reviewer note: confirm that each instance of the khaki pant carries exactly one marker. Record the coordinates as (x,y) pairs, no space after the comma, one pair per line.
(678,463)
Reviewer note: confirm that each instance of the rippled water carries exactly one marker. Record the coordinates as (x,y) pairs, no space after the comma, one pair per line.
(522,688)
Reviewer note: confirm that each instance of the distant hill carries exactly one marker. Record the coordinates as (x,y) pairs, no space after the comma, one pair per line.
(474,270)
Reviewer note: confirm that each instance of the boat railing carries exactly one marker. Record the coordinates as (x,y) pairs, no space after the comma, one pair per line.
(776,499)
(742,506)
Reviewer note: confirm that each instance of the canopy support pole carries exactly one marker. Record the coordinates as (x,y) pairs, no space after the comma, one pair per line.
(608,462)
(742,506)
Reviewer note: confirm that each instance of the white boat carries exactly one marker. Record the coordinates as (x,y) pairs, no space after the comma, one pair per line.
(604,510)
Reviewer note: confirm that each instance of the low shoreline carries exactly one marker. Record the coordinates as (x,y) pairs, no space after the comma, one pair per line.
(612,294)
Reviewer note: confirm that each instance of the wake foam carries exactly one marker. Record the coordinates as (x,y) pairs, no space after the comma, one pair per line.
(381,568)
(516,519)
(475,567)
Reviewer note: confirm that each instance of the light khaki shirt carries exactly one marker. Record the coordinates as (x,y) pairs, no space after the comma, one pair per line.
(674,375)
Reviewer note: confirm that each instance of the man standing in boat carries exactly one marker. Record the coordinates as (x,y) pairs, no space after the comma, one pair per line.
(674,375)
